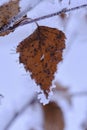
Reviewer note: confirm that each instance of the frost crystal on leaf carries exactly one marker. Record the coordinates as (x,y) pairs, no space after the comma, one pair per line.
(40,53)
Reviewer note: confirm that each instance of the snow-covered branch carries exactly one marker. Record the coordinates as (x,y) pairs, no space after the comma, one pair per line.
(12,25)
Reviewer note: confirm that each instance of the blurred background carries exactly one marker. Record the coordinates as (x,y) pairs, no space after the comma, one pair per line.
(20,107)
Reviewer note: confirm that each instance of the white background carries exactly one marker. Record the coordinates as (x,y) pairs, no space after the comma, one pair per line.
(16,85)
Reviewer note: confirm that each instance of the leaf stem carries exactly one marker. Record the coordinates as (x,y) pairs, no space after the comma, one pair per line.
(27,21)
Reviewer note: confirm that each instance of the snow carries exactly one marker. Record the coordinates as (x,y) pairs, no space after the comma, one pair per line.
(16,85)
(3,2)
(28,4)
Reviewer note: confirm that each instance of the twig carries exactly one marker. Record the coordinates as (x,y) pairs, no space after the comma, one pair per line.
(65,10)
(1,96)
(25,107)
(77,94)
(20,15)
(18,114)
(57,13)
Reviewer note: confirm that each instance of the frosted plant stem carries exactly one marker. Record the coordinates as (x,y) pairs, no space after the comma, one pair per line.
(65,10)
(24,12)
(19,16)
(19,113)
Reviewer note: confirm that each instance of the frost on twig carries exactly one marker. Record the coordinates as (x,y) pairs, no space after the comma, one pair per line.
(11,25)
(17,114)
(13,13)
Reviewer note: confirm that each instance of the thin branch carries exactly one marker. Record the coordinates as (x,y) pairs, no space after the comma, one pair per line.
(78,94)
(24,12)
(21,14)
(34,100)
(65,10)
(18,114)
(58,13)
(1,96)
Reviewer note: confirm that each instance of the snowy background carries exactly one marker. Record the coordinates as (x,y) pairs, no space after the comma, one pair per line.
(16,85)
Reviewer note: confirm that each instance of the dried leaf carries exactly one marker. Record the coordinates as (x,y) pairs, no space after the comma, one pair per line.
(40,53)
(53,117)
(63,16)
(64,92)
(8,10)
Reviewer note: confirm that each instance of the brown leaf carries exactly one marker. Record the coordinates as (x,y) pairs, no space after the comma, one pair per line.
(63,16)
(53,117)
(60,87)
(7,11)
(64,91)
(40,53)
